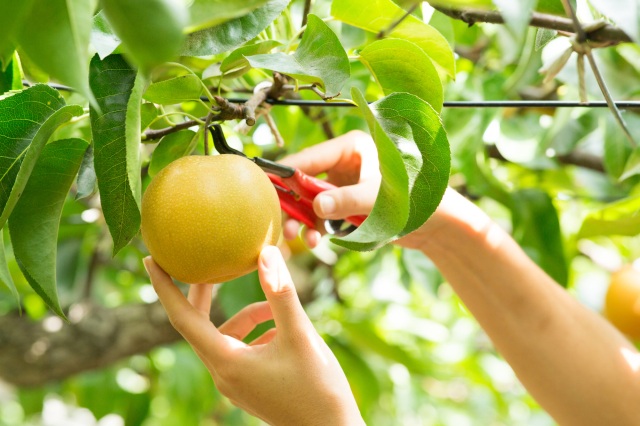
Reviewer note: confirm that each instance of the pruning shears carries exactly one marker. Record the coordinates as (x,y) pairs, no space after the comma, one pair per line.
(296,190)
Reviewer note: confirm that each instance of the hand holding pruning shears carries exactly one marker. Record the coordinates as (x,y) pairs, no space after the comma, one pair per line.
(296,190)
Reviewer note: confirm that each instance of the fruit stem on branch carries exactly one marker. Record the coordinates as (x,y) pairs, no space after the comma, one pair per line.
(227,110)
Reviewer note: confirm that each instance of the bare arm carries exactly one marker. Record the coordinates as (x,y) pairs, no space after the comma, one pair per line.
(572,361)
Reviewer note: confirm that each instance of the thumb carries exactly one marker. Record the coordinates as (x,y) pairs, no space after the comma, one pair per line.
(347,200)
(281,293)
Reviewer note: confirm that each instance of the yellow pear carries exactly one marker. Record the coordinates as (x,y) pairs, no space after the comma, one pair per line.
(205,219)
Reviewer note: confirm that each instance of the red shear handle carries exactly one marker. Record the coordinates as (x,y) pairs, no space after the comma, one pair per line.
(309,187)
(300,210)
(306,188)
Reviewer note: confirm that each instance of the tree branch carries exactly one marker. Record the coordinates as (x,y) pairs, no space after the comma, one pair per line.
(34,353)
(150,135)
(574,158)
(305,14)
(604,36)
(227,110)
(383,33)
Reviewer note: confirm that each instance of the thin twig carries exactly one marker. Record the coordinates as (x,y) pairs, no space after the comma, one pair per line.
(607,95)
(150,135)
(582,83)
(94,262)
(581,36)
(581,46)
(604,36)
(274,130)
(391,27)
(318,92)
(207,123)
(305,13)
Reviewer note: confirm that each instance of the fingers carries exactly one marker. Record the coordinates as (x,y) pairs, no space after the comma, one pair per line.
(187,320)
(281,294)
(322,157)
(347,200)
(200,297)
(241,324)
(291,229)
(267,337)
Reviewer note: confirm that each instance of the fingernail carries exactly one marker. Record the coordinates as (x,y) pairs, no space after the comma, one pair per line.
(271,259)
(147,262)
(327,204)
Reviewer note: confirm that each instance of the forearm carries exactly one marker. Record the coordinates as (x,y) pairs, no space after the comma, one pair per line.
(571,360)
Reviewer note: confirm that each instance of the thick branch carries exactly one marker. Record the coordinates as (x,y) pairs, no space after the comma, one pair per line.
(607,34)
(34,353)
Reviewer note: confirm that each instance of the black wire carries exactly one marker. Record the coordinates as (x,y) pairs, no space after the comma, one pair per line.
(446,104)
(465,104)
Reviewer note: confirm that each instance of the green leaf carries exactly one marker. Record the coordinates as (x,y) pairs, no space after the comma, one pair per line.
(103,39)
(368,337)
(544,36)
(536,228)
(174,90)
(380,15)
(401,66)
(148,113)
(619,218)
(363,381)
(617,147)
(6,56)
(391,210)
(208,13)
(86,182)
(632,166)
(414,163)
(320,58)
(516,16)
(234,33)
(462,3)
(624,13)
(416,130)
(116,138)
(55,36)
(35,220)
(8,77)
(5,275)
(236,64)
(11,18)
(236,60)
(27,120)
(171,147)
(552,6)
(150,30)
(238,293)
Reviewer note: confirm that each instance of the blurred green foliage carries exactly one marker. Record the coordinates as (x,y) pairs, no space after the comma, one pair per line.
(412,353)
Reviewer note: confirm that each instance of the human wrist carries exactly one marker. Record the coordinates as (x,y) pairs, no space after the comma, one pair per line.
(342,412)
(455,220)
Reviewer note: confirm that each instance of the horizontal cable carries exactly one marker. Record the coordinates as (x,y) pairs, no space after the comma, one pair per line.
(446,104)
(464,104)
